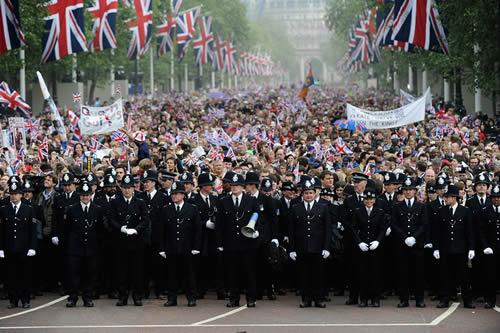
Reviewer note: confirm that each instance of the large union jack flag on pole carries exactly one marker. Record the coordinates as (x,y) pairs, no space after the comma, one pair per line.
(13,100)
(175,5)
(165,35)
(104,16)
(186,24)
(203,45)
(230,61)
(219,53)
(11,36)
(141,28)
(417,22)
(63,33)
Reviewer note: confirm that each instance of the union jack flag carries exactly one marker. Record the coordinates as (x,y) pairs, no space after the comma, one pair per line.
(230,63)
(185,27)
(32,126)
(63,33)
(11,36)
(104,14)
(175,5)
(219,53)
(203,45)
(141,28)
(13,100)
(341,147)
(77,135)
(43,150)
(94,144)
(417,22)
(119,137)
(230,154)
(77,97)
(73,118)
(165,35)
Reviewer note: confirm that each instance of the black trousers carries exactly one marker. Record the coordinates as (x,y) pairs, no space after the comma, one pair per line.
(388,248)
(159,272)
(241,262)
(491,275)
(454,271)
(266,275)
(130,271)
(431,266)
(410,263)
(180,263)
(19,270)
(209,273)
(369,269)
(310,267)
(351,268)
(82,276)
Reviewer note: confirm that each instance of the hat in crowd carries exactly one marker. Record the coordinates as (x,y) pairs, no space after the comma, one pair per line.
(495,191)
(266,185)
(109,181)
(187,178)
(110,171)
(15,187)
(177,187)
(327,191)
(303,179)
(166,175)
(409,184)
(389,178)
(287,186)
(369,193)
(128,181)
(91,178)
(139,136)
(85,188)
(308,185)
(149,175)
(482,178)
(28,186)
(252,178)
(440,183)
(430,188)
(359,176)
(14,179)
(205,179)
(443,175)
(228,177)
(237,179)
(316,182)
(400,178)
(452,191)
(68,179)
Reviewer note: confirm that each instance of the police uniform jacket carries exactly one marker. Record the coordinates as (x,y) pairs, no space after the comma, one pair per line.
(18,232)
(133,216)
(453,234)
(268,218)
(410,222)
(208,238)
(309,232)
(367,229)
(154,209)
(433,216)
(61,204)
(490,229)
(284,216)
(181,232)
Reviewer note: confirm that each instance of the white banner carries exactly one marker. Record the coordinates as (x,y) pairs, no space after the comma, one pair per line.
(100,120)
(411,113)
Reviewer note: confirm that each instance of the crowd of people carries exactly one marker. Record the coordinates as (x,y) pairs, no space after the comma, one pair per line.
(255,192)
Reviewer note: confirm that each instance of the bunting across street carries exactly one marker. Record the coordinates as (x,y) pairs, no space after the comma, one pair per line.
(104,14)
(11,36)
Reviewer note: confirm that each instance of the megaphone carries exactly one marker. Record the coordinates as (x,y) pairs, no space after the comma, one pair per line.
(249,230)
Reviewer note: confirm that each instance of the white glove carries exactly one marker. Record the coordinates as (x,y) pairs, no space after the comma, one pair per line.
(220,249)
(471,255)
(363,246)
(388,232)
(428,246)
(488,250)
(285,239)
(210,225)
(436,254)
(55,241)
(275,241)
(410,241)
(131,232)
(374,245)
(31,253)
(124,229)
(325,254)
(2,254)
(293,255)
(256,234)
(195,252)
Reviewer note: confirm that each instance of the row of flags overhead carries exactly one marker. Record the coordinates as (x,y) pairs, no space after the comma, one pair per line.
(64,34)
(404,25)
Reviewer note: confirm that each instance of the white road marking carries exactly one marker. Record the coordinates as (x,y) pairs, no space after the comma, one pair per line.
(36,308)
(445,314)
(496,308)
(241,308)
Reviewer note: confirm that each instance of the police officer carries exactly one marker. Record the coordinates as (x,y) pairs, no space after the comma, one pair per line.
(409,224)
(234,212)
(284,206)
(83,225)
(432,204)
(181,240)
(129,220)
(310,235)
(490,246)
(91,179)
(18,243)
(166,179)
(187,179)
(453,240)
(369,225)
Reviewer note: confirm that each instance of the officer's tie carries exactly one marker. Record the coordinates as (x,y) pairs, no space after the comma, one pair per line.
(177,208)
(149,196)
(481,200)
(207,201)
(236,203)
(308,208)
(86,210)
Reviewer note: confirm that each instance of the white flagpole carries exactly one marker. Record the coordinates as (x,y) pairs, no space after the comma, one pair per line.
(22,74)
(112,75)
(172,70)
(185,77)
(151,72)
(213,79)
(73,69)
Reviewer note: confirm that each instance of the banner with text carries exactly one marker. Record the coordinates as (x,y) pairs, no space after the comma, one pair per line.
(408,114)
(100,120)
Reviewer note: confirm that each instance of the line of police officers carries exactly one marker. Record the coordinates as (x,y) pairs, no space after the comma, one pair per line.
(119,239)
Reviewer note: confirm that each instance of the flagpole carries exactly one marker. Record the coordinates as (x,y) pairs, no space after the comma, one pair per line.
(213,79)
(222,79)
(22,74)
(73,68)
(236,81)
(172,70)
(112,74)
(185,77)
(201,75)
(151,73)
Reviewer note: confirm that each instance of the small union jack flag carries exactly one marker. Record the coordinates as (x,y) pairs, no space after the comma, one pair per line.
(77,97)
(95,144)
(104,14)
(119,137)
(43,150)
(13,100)
(341,147)
(11,36)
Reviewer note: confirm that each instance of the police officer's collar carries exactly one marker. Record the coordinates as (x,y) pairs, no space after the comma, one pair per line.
(152,193)
(180,205)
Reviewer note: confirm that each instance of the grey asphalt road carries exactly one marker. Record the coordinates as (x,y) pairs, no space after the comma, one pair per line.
(211,315)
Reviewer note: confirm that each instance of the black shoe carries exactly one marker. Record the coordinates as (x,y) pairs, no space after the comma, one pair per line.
(351,301)
(305,305)
(281,292)
(71,304)
(12,306)
(488,305)
(320,305)
(403,304)
(363,304)
(121,302)
(88,304)
(113,295)
(383,297)
(469,305)
(251,304)
(420,304)
(170,303)
(442,305)
(191,303)
(233,304)
(375,304)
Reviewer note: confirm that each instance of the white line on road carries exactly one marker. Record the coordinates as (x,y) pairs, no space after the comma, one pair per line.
(35,309)
(445,314)
(241,308)
(496,308)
